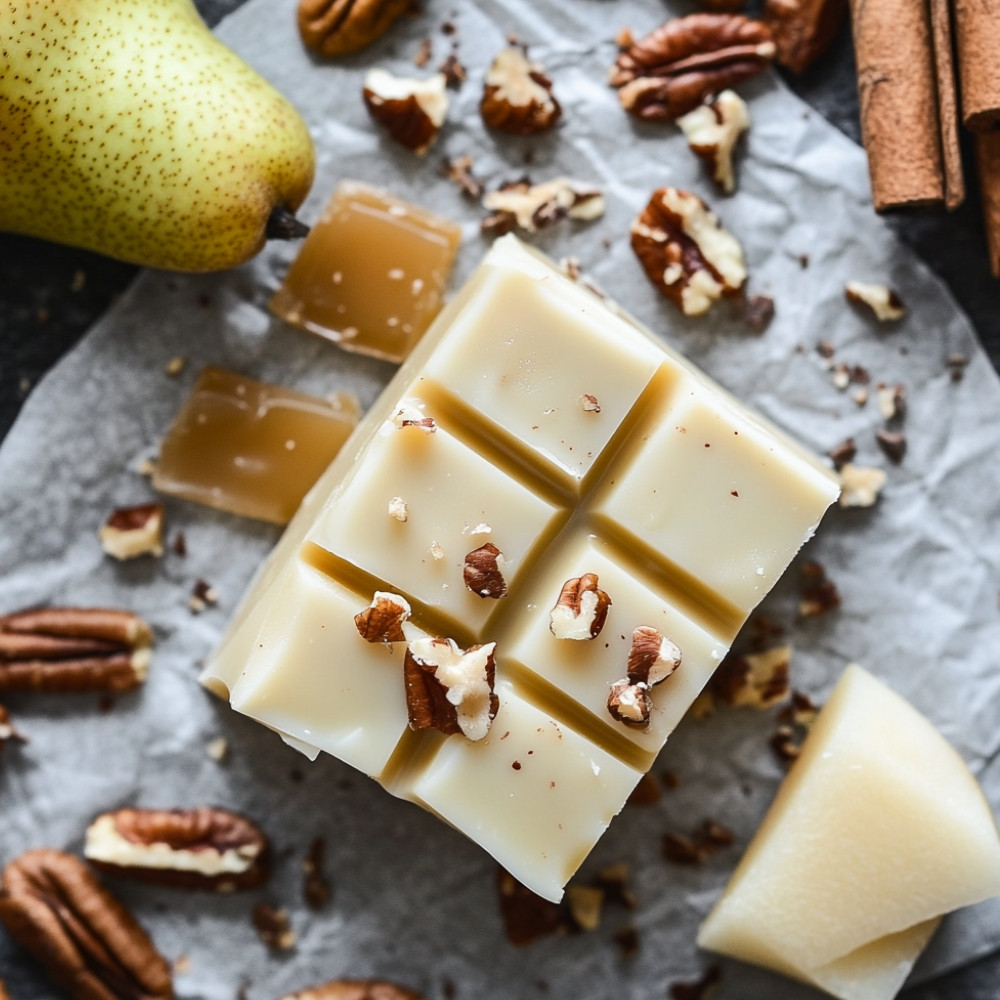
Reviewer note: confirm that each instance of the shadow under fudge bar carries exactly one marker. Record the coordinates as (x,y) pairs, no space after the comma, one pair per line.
(575,443)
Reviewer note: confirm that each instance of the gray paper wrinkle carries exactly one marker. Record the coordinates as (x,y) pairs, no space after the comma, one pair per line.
(414,901)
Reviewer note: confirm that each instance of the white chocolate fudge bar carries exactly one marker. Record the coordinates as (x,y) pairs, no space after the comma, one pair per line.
(878,830)
(535,446)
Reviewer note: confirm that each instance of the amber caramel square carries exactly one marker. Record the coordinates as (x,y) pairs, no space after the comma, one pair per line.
(371,274)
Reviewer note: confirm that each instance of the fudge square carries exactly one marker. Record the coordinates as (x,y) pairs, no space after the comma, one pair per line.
(522,568)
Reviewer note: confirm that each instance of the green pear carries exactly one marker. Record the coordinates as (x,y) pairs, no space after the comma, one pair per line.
(127,128)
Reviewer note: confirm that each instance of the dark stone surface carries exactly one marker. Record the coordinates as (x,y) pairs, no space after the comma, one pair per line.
(44,310)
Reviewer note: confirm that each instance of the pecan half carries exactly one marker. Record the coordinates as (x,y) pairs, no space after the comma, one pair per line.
(84,939)
(130,532)
(538,206)
(517,95)
(73,650)
(339,27)
(450,689)
(411,111)
(204,848)
(675,67)
(355,989)
(382,620)
(483,572)
(581,610)
(652,658)
(685,252)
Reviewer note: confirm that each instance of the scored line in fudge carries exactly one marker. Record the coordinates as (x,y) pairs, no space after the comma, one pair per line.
(567,437)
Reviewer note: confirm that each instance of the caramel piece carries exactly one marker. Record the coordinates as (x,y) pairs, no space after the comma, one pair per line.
(371,274)
(251,448)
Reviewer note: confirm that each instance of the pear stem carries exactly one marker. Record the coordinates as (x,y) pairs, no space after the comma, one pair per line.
(282,225)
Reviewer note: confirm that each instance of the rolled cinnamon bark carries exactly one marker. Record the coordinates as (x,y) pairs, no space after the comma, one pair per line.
(951,155)
(899,119)
(977,24)
(988,155)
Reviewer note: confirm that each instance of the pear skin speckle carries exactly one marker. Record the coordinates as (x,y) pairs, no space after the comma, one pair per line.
(129,129)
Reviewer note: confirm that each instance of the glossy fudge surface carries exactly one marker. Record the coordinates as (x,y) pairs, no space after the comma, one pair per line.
(250,447)
(568,438)
(371,274)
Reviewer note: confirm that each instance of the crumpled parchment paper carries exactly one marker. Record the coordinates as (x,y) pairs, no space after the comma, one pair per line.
(413,901)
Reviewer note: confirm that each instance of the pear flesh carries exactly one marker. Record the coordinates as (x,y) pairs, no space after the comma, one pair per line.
(127,128)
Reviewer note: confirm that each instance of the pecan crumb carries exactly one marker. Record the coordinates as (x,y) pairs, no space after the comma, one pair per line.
(459,172)
(589,403)
(893,445)
(758,311)
(819,593)
(627,940)
(316,889)
(755,680)
(884,303)
(175,365)
(956,366)
(135,531)
(693,850)
(843,453)
(7,731)
(180,544)
(614,880)
(203,595)
(424,53)
(218,749)
(273,927)
(891,401)
(646,792)
(584,904)
(860,486)
(453,71)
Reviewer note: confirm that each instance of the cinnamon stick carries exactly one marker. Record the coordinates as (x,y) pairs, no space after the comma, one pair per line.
(951,156)
(899,120)
(977,24)
(988,155)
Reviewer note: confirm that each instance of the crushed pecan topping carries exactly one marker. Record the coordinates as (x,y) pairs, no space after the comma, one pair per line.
(531,207)
(884,303)
(891,401)
(450,689)
(411,111)
(893,445)
(354,989)
(712,130)
(204,848)
(584,904)
(73,650)
(273,927)
(453,71)
(756,680)
(758,311)
(130,532)
(794,722)
(382,620)
(339,27)
(589,403)
(483,572)
(409,415)
(203,595)
(517,95)
(316,889)
(630,703)
(85,940)
(652,657)
(860,485)
(581,610)
(674,68)
(843,453)
(685,252)
(459,172)
(693,850)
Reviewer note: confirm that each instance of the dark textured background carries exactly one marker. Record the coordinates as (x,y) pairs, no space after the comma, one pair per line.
(50,295)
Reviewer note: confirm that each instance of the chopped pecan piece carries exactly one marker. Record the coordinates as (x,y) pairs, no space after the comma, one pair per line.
(73,650)
(581,610)
(538,206)
(273,926)
(584,904)
(483,572)
(860,485)
(315,882)
(517,95)
(819,592)
(450,689)
(891,401)
(355,989)
(409,415)
(85,940)
(411,111)
(630,703)
(652,657)
(685,252)
(130,532)
(459,172)
(382,620)
(803,29)
(453,71)
(708,838)
(893,445)
(843,453)
(589,403)
(203,595)
(886,305)
(674,68)
(712,131)
(756,680)
(339,27)
(758,312)
(204,848)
